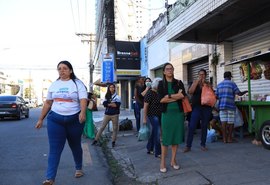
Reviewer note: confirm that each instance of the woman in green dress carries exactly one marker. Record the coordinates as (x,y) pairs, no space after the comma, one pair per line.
(171,92)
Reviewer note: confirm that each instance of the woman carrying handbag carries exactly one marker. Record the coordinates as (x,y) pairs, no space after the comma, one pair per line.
(171,92)
(200,113)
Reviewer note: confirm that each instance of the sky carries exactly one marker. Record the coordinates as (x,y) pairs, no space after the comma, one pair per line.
(35,35)
(41,33)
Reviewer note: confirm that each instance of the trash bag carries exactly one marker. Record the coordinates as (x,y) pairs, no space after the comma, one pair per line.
(125,124)
(211,136)
(144,133)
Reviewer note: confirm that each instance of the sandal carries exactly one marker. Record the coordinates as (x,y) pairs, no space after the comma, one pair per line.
(47,182)
(79,173)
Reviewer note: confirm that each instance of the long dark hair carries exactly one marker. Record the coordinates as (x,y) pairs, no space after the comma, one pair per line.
(108,94)
(68,64)
(164,77)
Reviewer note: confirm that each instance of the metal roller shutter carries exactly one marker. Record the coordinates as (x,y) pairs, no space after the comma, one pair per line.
(193,69)
(256,40)
(252,41)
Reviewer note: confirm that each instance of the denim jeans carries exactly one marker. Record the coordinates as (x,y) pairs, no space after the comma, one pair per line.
(61,128)
(203,114)
(154,140)
(137,111)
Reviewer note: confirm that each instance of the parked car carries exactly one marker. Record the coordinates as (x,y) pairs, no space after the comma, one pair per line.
(13,106)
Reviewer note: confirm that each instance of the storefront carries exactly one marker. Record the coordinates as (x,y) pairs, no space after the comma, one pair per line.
(251,71)
(240,30)
(252,46)
(128,66)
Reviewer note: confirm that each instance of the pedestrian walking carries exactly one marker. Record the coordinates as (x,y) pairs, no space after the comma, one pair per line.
(152,114)
(65,106)
(200,113)
(226,91)
(171,91)
(112,104)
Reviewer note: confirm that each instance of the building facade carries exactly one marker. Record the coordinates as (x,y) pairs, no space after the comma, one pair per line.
(132,19)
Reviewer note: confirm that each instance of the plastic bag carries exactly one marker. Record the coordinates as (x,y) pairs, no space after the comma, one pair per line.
(89,127)
(144,133)
(238,118)
(211,136)
(208,96)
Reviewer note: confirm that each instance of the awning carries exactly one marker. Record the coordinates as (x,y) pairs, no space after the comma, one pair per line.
(226,21)
(263,55)
(99,83)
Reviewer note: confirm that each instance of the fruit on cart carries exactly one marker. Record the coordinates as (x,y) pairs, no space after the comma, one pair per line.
(265,134)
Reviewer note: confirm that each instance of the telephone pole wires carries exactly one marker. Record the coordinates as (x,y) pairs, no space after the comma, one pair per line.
(89,38)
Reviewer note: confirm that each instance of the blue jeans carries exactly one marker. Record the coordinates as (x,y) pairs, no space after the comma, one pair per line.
(137,111)
(154,140)
(203,114)
(61,128)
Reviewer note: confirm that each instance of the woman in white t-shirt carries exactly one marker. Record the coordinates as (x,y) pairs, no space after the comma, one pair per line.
(66,108)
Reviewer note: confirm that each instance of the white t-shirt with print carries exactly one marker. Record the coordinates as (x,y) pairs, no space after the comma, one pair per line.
(66,96)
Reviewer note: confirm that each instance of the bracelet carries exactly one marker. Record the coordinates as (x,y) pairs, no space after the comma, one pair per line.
(169,95)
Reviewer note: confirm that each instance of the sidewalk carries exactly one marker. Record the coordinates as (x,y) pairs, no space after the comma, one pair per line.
(239,163)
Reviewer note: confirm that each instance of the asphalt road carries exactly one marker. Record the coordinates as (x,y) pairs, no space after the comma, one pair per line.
(24,153)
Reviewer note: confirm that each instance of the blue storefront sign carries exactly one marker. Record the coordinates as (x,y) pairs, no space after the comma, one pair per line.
(108,69)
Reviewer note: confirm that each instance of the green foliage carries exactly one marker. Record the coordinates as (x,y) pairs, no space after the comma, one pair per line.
(215,58)
(97,91)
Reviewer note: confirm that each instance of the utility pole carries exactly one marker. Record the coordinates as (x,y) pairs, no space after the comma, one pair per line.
(110,30)
(91,40)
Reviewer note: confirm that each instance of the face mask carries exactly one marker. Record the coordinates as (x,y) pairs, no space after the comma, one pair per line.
(148,84)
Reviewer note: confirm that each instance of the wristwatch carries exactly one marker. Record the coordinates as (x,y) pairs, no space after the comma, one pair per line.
(169,95)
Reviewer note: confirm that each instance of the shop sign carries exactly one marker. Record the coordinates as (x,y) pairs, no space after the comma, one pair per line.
(127,55)
(194,52)
(107,69)
(120,72)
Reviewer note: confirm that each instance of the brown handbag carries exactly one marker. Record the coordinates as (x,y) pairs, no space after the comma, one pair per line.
(186,105)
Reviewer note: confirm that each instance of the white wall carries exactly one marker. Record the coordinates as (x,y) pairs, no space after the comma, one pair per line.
(158,51)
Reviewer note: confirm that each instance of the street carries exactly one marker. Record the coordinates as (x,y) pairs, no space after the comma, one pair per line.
(24,159)
(24,153)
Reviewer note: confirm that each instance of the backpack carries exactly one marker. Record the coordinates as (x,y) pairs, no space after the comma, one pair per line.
(125,124)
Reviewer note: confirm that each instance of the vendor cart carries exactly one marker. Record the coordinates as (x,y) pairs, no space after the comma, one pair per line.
(257,113)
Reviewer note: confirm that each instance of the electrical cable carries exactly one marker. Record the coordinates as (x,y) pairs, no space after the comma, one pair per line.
(79,14)
(73,18)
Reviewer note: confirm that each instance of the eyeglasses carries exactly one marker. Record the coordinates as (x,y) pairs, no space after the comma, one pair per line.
(169,69)
(64,69)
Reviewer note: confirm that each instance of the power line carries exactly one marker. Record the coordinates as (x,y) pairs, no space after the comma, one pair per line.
(73,16)
(33,68)
(78,9)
